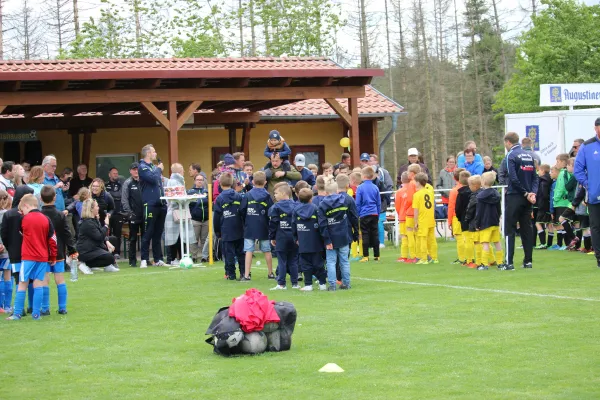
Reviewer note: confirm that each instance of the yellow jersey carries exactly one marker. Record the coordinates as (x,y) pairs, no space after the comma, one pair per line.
(423,200)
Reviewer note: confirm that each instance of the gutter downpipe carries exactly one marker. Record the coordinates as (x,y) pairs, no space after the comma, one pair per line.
(392,130)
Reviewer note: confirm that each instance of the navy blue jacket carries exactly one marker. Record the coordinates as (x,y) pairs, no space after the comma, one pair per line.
(587,165)
(305,227)
(151,183)
(522,177)
(488,209)
(542,199)
(471,212)
(462,201)
(338,220)
(199,209)
(227,221)
(368,200)
(255,211)
(317,200)
(280,225)
(284,152)
(307,176)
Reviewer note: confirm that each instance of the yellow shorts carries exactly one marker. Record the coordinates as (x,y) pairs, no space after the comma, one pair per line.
(456,227)
(410,222)
(424,231)
(490,235)
(474,236)
(402,228)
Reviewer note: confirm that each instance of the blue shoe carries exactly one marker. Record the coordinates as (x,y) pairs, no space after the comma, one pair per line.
(563,248)
(14,317)
(355,259)
(554,247)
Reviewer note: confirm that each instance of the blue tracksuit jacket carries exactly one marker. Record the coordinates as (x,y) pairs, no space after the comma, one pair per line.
(305,228)
(587,165)
(255,210)
(228,222)
(151,184)
(522,177)
(368,200)
(338,220)
(280,225)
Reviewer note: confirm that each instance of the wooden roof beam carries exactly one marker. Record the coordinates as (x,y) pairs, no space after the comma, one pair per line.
(104,84)
(56,85)
(10,86)
(341,111)
(225,118)
(159,116)
(146,84)
(182,117)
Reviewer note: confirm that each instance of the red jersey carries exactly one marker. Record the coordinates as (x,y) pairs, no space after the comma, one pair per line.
(411,188)
(399,200)
(39,240)
(452,203)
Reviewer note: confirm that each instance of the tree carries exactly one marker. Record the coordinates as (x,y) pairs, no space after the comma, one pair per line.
(561,47)
(27,33)
(59,17)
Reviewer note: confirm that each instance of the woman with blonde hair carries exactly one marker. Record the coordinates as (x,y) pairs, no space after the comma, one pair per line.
(95,250)
(19,173)
(106,203)
(36,182)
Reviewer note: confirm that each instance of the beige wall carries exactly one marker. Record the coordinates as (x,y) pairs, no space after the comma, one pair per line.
(194,146)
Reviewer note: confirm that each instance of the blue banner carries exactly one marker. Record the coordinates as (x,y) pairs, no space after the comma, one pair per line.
(533,133)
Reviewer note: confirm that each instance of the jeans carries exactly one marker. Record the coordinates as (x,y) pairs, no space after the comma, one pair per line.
(201,231)
(381,229)
(333,256)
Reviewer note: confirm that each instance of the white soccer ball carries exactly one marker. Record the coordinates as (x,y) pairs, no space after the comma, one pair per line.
(235,338)
(186,263)
(254,343)
(258,263)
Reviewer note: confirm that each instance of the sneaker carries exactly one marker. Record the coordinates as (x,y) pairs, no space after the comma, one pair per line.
(117,257)
(331,288)
(296,286)
(96,269)
(111,268)
(402,259)
(13,317)
(573,243)
(344,287)
(45,313)
(541,247)
(160,263)
(434,261)
(422,262)
(3,311)
(322,287)
(364,259)
(376,258)
(554,247)
(244,279)
(482,267)
(457,261)
(563,248)
(7,310)
(472,265)
(270,276)
(338,282)
(85,269)
(507,267)
(174,263)
(144,264)
(412,261)
(62,312)
(133,265)
(381,246)
(279,287)
(354,259)
(527,265)
(307,288)
(591,253)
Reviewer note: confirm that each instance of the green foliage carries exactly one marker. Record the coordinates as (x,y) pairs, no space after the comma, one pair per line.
(561,47)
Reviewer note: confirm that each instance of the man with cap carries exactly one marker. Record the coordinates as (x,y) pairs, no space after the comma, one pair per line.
(306,174)
(365,159)
(413,158)
(587,165)
(133,210)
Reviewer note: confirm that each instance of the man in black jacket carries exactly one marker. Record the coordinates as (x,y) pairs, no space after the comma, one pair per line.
(523,185)
(114,187)
(133,210)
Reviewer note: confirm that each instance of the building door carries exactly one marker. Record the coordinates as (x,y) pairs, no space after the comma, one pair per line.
(312,154)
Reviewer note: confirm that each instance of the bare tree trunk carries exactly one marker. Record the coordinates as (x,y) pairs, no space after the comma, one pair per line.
(443,136)
(482,135)
(533,7)
(1,30)
(391,76)
(403,68)
(461,79)
(76,17)
(241,22)
(364,41)
(252,29)
(138,28)
(429,125)
(499,34)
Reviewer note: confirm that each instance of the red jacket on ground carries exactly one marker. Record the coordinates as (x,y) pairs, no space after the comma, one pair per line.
(253,310)
(39,240)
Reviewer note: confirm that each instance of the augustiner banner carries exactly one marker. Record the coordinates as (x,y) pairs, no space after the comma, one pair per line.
(570,94)
(18,135)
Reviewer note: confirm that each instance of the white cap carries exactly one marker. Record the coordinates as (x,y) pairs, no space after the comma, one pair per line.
(299,160)
(413,152)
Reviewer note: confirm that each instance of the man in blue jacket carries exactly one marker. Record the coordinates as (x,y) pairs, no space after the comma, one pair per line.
(587,165)
(522,184)
(155,209)
(307,175)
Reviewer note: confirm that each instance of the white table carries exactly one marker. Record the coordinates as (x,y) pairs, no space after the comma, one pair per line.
(184,204)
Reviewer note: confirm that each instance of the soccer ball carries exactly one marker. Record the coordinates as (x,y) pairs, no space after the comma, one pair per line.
(274,340)
(186,262)
(258,263)
(234,338)
(254,343)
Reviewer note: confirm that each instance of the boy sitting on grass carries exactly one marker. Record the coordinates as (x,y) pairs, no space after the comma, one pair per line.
(487,219)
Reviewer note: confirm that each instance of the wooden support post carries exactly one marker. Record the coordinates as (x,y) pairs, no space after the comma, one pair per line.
(232,139)
(87,149)
(173,141)
(339,110)
(160,117)
(354,137)
(246,140)
(75,154)
(187,113)
(2,108)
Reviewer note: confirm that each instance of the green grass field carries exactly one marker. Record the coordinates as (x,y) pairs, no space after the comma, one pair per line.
(402,331)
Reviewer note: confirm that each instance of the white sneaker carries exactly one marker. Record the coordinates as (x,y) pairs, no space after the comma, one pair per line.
(144,264)
(296,287)
(111,268)
(85,269)
(175,263)
(279,287)
(68,260)
(160,263)
(381,246)
(322,287)
(307,289)
(96,269)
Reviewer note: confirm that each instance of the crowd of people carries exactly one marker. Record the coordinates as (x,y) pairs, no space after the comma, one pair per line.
(314,224)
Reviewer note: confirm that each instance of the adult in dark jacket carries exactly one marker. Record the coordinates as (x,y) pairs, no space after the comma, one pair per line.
(199,213)
(81,180)
(155,209)
(133,210)
(413,158)
(306,174)
(106,204)
(95,251)
(114,187)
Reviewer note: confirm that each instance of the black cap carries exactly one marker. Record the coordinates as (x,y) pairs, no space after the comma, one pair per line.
(597,121)
(134,166)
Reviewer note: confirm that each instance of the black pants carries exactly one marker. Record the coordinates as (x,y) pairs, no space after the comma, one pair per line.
(518,210)
(103,260)
(287,262)
(312,264)
(369,229)
(594,211)
(134,229)
(154,220)
(231,250)
(115,224)
(174,251)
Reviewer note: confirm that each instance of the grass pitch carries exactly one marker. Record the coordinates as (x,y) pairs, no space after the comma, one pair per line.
(402,331)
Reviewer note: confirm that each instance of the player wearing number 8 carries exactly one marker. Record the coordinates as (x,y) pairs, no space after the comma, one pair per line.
(424,208)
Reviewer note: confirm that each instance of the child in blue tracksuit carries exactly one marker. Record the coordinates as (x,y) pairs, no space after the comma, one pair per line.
(255,211)
(280,233)
(305,228)
(229,225)
(368,205)
(338,223)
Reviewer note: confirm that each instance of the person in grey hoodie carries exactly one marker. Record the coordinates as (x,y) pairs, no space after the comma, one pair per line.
(446,179)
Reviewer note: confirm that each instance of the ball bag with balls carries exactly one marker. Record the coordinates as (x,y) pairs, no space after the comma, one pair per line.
(254,343)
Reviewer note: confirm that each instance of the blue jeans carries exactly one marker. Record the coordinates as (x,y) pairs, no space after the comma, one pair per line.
(380,227)
(333,256)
